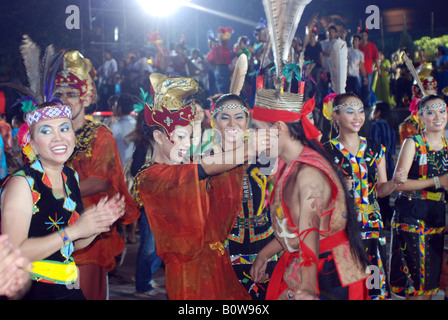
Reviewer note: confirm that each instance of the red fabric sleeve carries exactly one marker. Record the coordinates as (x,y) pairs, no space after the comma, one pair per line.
(102,160)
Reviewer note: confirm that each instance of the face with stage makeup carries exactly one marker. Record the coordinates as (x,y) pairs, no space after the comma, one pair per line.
(173,148)
(71,97)
(433,114)
(231,120)
(349,114)
(53,141)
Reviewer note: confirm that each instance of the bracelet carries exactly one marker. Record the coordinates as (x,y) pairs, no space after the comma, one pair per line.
(437,182)
(64,236)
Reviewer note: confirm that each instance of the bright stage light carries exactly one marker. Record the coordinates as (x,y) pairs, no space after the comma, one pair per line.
(161,8)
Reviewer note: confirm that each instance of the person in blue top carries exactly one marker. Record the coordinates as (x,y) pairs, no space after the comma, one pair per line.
(382,133)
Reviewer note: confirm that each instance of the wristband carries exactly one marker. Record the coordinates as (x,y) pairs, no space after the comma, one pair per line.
(437,182)
(64,236)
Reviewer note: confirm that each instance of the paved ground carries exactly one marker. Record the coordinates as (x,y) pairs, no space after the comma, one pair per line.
(122,282)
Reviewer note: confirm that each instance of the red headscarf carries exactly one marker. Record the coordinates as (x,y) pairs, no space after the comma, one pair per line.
(270,115)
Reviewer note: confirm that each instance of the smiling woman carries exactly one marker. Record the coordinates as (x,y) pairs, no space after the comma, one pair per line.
(42,211)
(419,221)
(161,8)
(361,163)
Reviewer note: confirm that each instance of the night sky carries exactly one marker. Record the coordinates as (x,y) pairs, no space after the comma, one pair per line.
(44,21)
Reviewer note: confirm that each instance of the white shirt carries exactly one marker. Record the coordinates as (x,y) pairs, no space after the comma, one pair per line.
(327,46)
(355,57)
(108,69)
(120,129)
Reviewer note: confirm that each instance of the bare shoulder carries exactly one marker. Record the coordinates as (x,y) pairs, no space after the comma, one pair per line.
(312,181)
(306,180)
(17,187)
(309,174)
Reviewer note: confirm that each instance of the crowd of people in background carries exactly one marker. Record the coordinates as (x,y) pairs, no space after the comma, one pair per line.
(372,75)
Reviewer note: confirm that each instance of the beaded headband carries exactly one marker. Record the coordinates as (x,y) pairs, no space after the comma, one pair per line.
(48,113)
(350,104)
(230,107)
(433,106)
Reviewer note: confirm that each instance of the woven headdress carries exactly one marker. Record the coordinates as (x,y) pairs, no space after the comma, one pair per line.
(271,105)
(168,110)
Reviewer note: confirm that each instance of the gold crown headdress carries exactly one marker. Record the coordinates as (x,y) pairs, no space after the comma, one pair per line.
(76,74)
(168,110)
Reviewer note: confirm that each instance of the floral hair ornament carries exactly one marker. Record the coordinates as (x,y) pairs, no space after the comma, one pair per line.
(328,106)
(413,107)
(168,110)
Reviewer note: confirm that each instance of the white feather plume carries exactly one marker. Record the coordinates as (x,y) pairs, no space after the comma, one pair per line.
(338,66)
(239,75)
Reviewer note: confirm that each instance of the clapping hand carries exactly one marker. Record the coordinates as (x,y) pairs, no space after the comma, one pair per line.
(14,270)
(114,206)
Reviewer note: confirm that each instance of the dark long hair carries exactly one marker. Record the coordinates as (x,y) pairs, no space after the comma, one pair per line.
(352,228)
(137,136)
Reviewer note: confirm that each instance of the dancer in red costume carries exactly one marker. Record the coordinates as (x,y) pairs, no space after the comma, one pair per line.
(97,161)
(313,222)
(191,208)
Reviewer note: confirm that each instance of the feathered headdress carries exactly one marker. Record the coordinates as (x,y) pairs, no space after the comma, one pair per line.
(236,85)
(338,66)
(412,70)
(145,98)
(41,74)
(428,82)
(413,107)
(283,17)
(239,75)
(271,105)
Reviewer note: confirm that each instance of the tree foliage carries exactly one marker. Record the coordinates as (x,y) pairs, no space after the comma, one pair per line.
(429,45)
